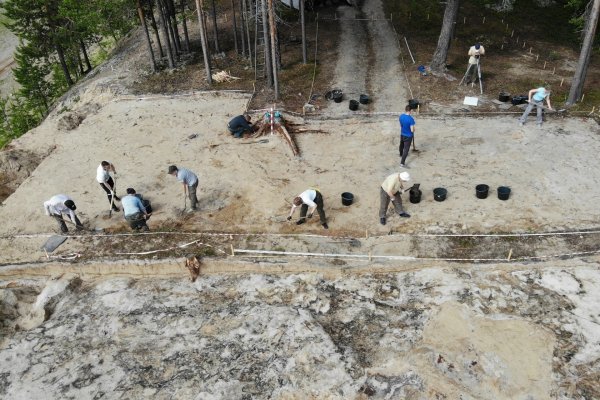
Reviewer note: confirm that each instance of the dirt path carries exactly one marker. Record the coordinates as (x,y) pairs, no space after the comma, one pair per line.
(369,61)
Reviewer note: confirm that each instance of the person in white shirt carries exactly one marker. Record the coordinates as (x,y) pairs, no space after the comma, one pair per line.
(312,199)
(106,181)
(62,204)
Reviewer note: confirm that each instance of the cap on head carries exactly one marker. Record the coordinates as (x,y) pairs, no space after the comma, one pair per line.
(105,163)
(477,46)
(405,176)
(130,191)
(70,204)
(172,168)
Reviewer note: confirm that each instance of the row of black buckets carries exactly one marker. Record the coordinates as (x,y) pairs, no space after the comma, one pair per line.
(440,194)
(338,96)
(481,192)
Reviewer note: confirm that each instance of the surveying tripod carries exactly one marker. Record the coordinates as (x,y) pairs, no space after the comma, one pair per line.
(478,66)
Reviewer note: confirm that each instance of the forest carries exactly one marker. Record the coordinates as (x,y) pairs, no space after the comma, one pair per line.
(61,41)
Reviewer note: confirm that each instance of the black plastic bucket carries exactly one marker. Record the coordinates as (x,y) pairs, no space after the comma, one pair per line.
(415,196)
(504,97)
(338,96)
(363,99)
(353,105)
(413,103)
(347,198)
(481,191)
(503,192)
(439,194)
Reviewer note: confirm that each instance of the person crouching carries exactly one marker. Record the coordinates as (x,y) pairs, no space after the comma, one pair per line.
(134,211)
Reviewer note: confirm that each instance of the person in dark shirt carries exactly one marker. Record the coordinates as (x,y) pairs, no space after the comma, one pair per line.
(240,125)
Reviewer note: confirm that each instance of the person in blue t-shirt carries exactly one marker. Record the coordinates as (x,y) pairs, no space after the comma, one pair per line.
(134,210)
(407,132)
(536,99)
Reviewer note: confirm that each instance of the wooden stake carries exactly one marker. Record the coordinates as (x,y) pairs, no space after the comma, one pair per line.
(512,33)
(232,251)
(484,20)
(582,97)
(531,48)
(524,44)
(545,64)
(509,254)
(370,255)
(502,47)
(553,70)
(561,81)
(517,39)
(366,233)
(537,57)
(418,109)
(464,20)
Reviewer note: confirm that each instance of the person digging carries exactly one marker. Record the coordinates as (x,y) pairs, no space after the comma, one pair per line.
(391,190)
(134,211)
(190,184)
(309,201)
(62,204)
(240,126)
(106,182)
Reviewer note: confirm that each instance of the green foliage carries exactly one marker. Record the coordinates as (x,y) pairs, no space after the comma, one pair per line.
(54,36)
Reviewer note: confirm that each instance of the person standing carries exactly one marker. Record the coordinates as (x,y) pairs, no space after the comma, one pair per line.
(407,131)
(134,211)
(106,182)
(62,204)
(189,181)
(536,99)
(474,53)
(309,200)
(392,189)
(240,125)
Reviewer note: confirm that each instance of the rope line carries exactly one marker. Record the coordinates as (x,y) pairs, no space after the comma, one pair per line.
(166,233)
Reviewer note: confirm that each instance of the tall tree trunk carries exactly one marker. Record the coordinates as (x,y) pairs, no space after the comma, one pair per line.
(265,24)
(273,25)
(164,22)
(234,23)
(242,25)
(79,64)
(303,24)
(186,35)
(86,59)
(438,63)
(63,64)
(591,23)
(172,13)
(148,42)
(204,41)
(248,37)
(215,29)
(155,28)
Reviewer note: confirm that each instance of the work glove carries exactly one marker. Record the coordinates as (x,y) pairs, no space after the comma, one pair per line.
(289,218)
(300,221)
(309,216)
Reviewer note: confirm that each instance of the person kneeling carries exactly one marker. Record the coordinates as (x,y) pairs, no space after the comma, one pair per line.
(135,211)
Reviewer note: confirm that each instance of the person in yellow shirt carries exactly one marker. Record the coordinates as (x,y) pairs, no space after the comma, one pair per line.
(475,52)
(392,189)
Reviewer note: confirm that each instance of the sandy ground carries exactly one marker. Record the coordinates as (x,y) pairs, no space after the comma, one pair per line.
(431,334)
(510,332)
